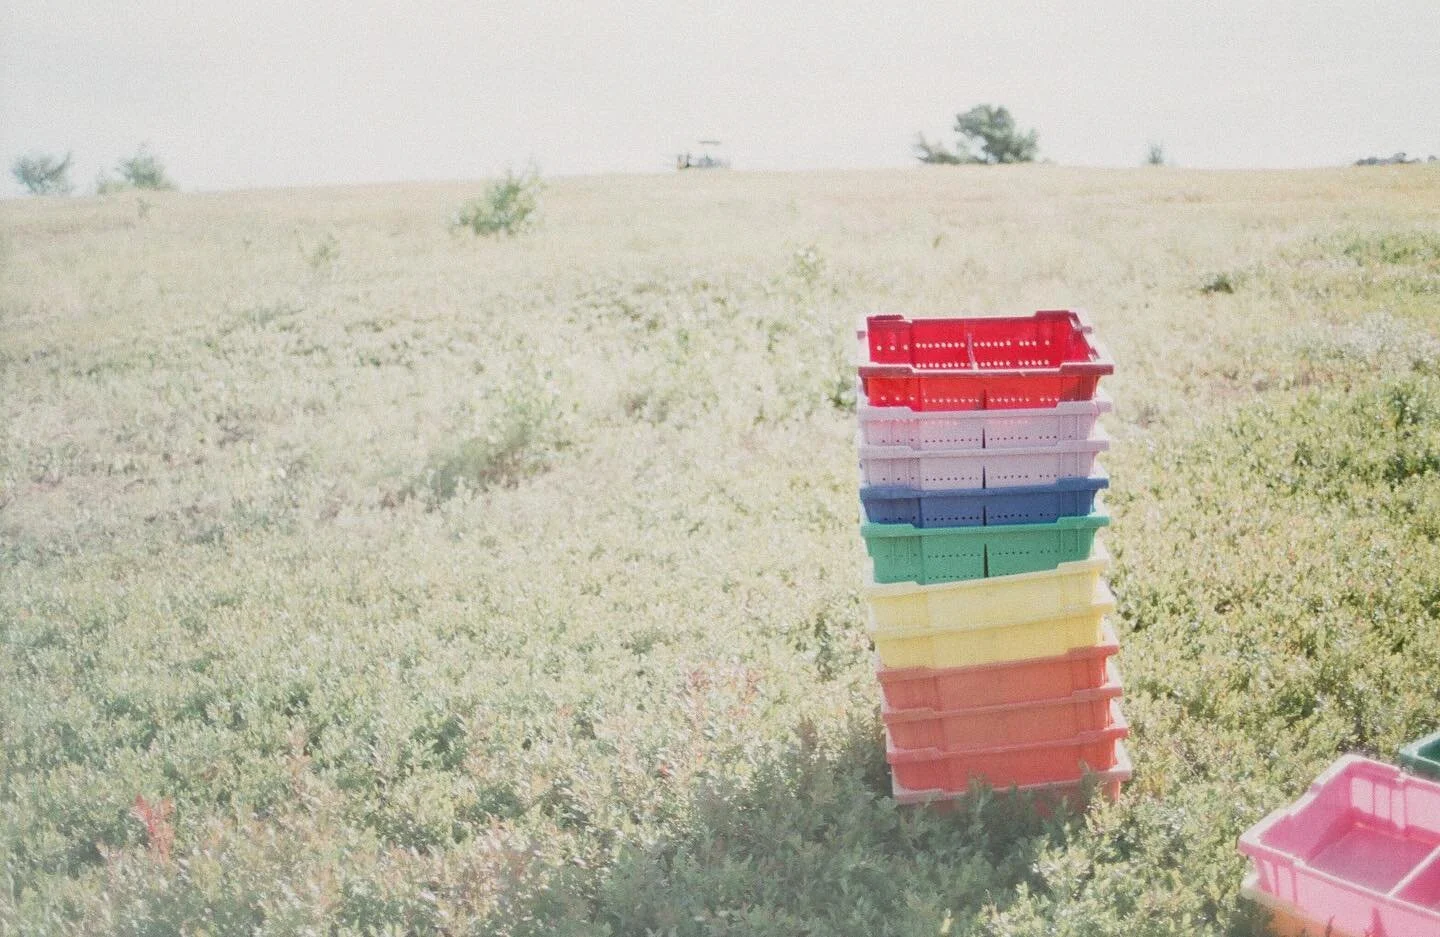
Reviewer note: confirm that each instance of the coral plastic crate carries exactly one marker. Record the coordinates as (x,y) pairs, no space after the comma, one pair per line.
(949,469)
(973,640)
(973,507)
(980,429)
(1286,920)
(1423,756)
(1008,723)
(1064,793)
(1033,680)
(905,553)
(988,363)
(994,600)
(1360,851)
(1005,765)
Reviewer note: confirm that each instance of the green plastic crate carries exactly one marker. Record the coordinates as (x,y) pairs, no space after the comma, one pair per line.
(1422,756)
(903,553)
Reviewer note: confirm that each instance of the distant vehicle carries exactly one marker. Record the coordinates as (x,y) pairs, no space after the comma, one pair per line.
(709,157)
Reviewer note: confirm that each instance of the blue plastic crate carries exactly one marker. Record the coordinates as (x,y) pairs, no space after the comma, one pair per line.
(975,507)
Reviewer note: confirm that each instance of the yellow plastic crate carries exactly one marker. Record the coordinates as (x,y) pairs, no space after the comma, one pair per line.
(968,640)
(984,602)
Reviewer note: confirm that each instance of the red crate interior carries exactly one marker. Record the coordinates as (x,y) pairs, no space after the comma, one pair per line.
(1044,340)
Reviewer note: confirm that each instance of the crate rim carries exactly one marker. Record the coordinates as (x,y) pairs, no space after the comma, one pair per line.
(1096,482)
(1099,559)
(1112,688)
(1092,521)
(1108,647)
(1098,441)
(1102,601)
(1119,728)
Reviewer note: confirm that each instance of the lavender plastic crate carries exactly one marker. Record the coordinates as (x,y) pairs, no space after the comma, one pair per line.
(931,430)
(973,507)
(953,469)
(1359,852)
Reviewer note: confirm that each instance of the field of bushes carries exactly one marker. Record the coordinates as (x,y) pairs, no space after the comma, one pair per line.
(362,576)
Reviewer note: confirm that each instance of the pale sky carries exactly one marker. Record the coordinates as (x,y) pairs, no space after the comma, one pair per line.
(300,92)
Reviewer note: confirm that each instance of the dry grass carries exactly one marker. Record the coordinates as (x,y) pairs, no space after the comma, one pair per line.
(458,585)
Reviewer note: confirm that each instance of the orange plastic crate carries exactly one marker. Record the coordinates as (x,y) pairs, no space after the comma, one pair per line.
(1006,765)
(954,730)
(1014,681)
(1064,794)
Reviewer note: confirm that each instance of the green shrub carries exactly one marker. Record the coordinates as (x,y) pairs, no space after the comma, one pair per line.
(508,206)
(520,441)
(1220,283)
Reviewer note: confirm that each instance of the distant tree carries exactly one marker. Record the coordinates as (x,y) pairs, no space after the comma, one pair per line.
(1155,155)
(1399,159)
(144,171)
(43,174)
(141,171)
(987,134)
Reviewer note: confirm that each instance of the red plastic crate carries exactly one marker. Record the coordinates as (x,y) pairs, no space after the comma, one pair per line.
(995,363)
(1007,724)
(1006,765)
(1016,681)
(1065,794)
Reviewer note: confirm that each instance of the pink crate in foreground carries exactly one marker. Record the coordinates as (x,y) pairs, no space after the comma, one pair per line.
(1359,852)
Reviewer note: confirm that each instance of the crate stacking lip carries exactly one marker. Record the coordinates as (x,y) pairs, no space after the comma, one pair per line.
(1360,850)
(962,729)
(1422,756)
(1035,427)
(1286,920)
(975,640)
(1033,680)
(924,555)
(975,507)
(951,469)
(992,601)
(1107,783)
(1003,765)
(981,363)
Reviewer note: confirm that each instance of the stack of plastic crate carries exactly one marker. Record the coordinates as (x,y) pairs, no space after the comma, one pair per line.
(978,443)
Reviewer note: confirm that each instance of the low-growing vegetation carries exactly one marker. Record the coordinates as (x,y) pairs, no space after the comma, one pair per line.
(516,596)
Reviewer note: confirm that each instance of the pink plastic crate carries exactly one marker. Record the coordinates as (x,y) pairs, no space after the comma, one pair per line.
(1014,681)
(980,429)
(1286,920)
(1007,724)
(981,363)
(1006,765)
(1064,793)
(952,469)
(1360,851)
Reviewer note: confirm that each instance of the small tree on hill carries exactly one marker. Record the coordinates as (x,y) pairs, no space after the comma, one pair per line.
(141,171)
(987,134)
(43,174)
(144,171)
